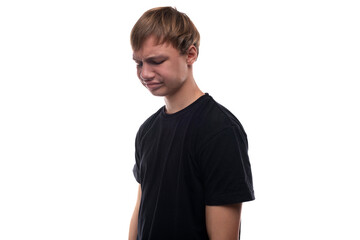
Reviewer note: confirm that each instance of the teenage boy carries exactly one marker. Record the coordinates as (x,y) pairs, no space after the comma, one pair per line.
(191,155)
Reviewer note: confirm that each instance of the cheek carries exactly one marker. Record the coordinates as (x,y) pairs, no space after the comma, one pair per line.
(182,71)
(177,70)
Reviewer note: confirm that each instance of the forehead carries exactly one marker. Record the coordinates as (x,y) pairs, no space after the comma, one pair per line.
(151,48)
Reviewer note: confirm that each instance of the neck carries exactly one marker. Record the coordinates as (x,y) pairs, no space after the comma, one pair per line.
(185,96)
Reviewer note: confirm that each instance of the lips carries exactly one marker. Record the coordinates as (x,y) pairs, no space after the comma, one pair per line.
(153,85)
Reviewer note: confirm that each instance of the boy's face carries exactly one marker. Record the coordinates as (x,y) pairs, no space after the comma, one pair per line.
(161,68)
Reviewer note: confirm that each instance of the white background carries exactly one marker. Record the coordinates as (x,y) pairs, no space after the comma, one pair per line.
(70,106)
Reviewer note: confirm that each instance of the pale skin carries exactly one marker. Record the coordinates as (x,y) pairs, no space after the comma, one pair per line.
(134,218)
(165,72)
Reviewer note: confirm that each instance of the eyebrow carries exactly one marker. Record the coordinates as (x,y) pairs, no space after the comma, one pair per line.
(152,58)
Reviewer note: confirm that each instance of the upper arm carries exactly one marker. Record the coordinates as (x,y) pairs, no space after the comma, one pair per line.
(225,168)
(223,222)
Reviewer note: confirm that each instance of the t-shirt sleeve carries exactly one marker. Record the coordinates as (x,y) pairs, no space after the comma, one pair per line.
(225,168)
(136,172)
(136,168)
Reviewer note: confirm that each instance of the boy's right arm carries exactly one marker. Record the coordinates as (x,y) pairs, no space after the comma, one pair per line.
(134,218)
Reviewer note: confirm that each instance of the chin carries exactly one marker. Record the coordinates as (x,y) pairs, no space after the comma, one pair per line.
(163,91)
(159,92)
(157,95)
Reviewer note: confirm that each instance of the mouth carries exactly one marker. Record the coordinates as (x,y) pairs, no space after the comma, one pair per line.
(152,86)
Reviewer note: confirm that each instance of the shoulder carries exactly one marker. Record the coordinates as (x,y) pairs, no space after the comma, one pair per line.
(147,124)
(216,117)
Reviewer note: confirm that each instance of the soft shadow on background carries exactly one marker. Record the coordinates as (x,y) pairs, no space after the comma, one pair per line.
(70,106)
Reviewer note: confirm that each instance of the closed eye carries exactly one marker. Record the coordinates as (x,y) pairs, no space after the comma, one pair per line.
(138,64)
(156,62)
(152,61)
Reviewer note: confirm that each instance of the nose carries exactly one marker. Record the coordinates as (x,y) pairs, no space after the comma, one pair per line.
(146,72)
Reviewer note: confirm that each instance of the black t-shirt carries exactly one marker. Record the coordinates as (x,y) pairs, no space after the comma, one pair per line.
(185,161)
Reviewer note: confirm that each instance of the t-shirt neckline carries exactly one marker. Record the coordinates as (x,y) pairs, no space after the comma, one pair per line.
(178,113)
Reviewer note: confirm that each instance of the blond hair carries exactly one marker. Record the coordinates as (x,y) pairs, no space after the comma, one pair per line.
(168,25)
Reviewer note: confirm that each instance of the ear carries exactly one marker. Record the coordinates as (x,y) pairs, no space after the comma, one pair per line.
(191,55)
